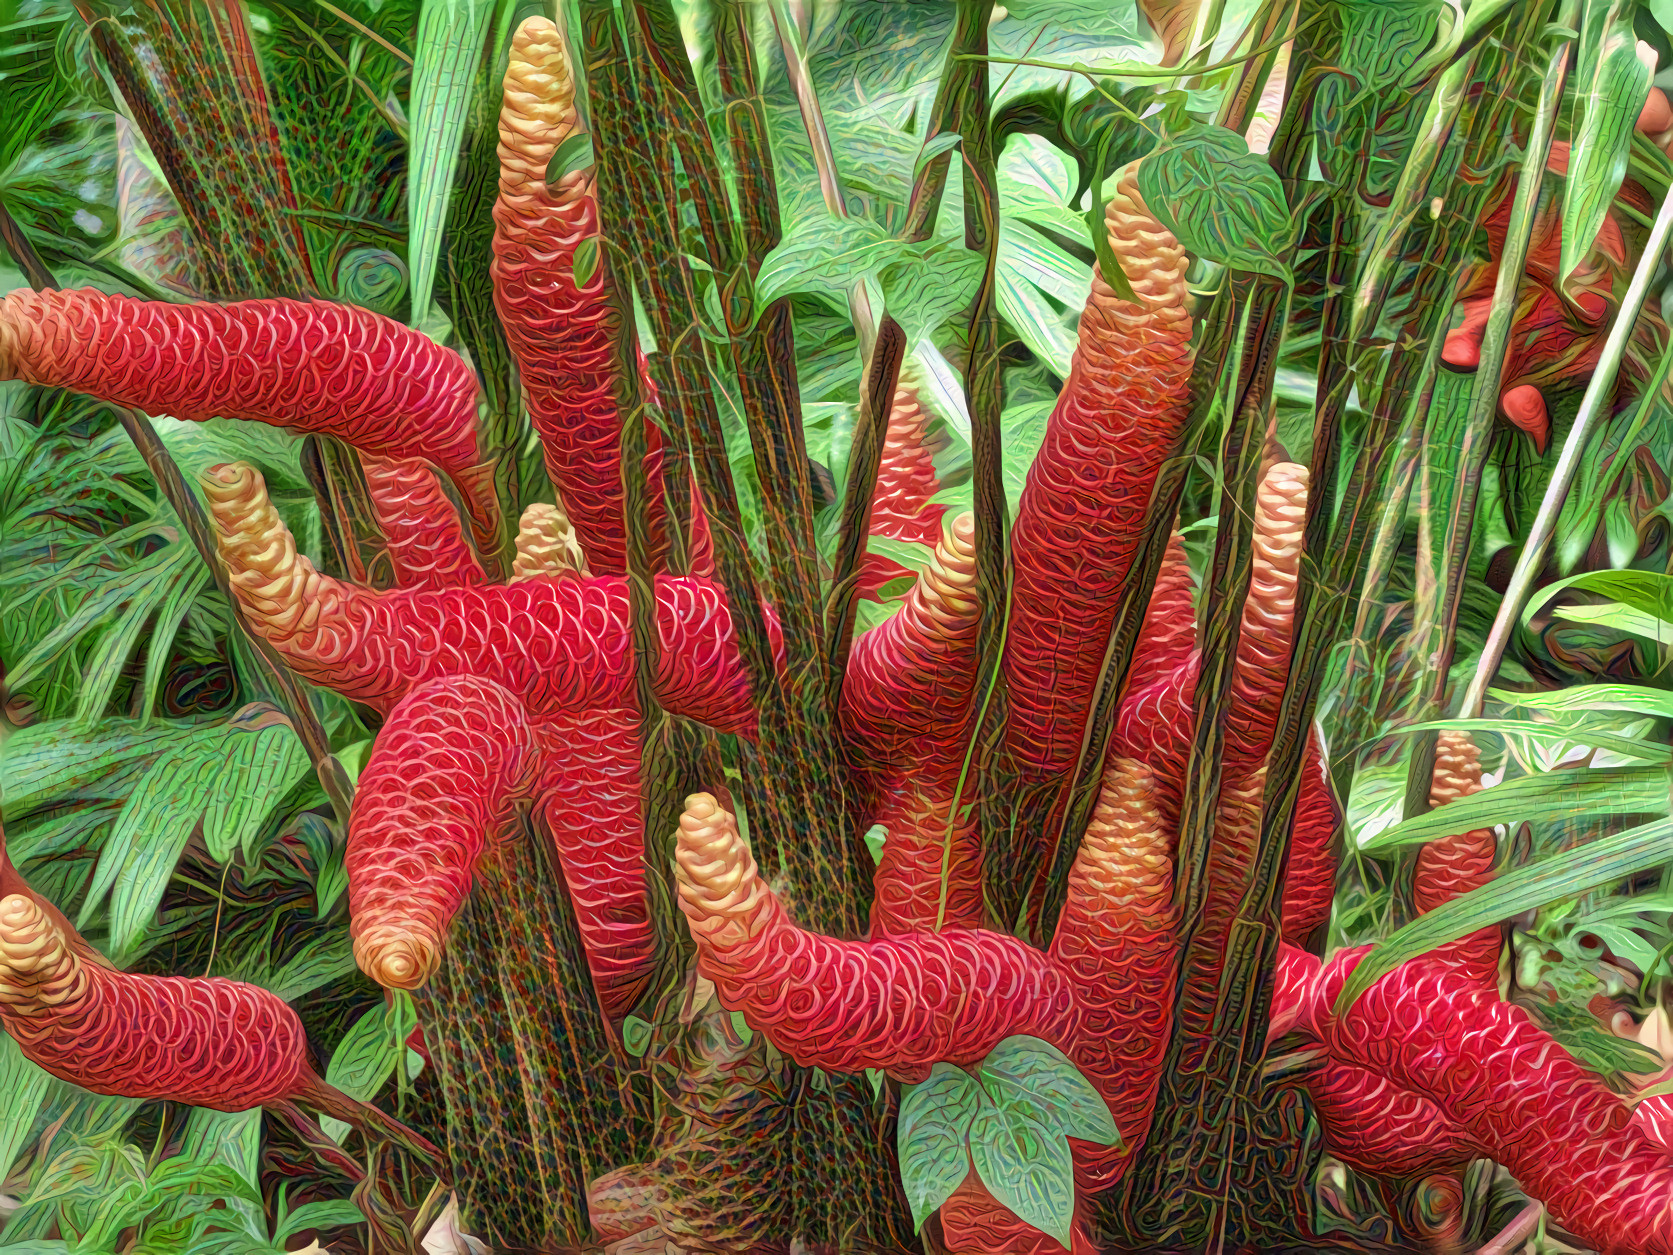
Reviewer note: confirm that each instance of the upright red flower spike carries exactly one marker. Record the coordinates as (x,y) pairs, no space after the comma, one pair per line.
(562,332)
(906,480)
(427,547)
(1449,867)
(1079,519)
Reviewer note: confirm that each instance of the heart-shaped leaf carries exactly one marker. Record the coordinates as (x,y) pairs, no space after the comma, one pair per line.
(1220,200)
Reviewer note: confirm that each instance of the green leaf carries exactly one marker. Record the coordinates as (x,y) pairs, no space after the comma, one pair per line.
(1035,1078)
(1627,697)
(573,154)
(1027,1167)
(232,1138)
(55,762)
(935,1120)
(329,1213)
(1223,202)
(1646,591)
(1560,734)
(825,255)
(258,769)
(1613,83)
(449,45)
(364,1060)
(1549,796)
(928,284)
(933,147)
(1522,889)
(23,1089)
(636,1036)
(875,837)
(583,262)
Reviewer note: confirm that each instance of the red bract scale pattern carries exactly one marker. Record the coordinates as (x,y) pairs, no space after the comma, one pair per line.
(209,1042)
(1082,509)
(900,503)
(563,334)
(437,788)
(497,695)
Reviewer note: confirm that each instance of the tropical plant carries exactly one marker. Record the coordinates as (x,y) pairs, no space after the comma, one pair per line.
(733,625)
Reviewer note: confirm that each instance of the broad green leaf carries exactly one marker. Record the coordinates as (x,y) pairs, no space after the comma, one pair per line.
(23,1088)
(1024,428)
(583,262)
(1645,591)
(875,837)
(636,1035)
(259,768)
(363,1061)
(1223,202)
(1549,796)
(928,285)
(935,1119)
(826,255)
(450,39)
(1613,82)
(232,1138)
(1027,1167)
(943,142)
(907,553)
(1572,872)
(326,959)
(1037,1079)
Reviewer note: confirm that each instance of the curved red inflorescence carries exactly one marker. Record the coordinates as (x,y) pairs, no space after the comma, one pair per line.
(900,501)
(335,369)
(208,1042)
(438,787)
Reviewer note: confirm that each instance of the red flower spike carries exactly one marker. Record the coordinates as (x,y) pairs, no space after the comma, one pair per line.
(588,801)
(1449,867)
(335,369)
(906,480)
(1310,877)
(927,834)
(896,1004)
(1377,1127)
(427,547)
(557,643)
(208,1042)
(1435,1031)
(1168,636)
(436,790)
(562,334)
(546,544)
(1079,519)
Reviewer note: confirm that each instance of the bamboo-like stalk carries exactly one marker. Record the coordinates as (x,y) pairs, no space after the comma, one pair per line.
(1595,402)
(293,699)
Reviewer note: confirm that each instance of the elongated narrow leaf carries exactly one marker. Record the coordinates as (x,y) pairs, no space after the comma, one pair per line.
(1549,796)
(1628,697)
(931,1137)
(1646,591)
(1571,872)
(260,768)
(450,35)
(1548,732)
(1614,83)
(364,1060)
(23,1088)
(55,762)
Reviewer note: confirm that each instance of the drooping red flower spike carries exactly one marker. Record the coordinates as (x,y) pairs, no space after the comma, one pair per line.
(1079,520)
(557,643)
(209,1042)
(335,369)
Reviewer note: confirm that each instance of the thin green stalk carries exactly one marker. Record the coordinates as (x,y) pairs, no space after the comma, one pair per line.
(1599,393)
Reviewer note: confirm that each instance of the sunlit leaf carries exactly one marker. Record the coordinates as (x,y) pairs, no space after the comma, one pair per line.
(1521,889)
(23,1088)
(1550,796)
(1223,202)
(1036,1078)
(1613,82)
(935,1119)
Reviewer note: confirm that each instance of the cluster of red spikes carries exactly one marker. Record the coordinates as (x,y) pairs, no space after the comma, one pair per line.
(497,693)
